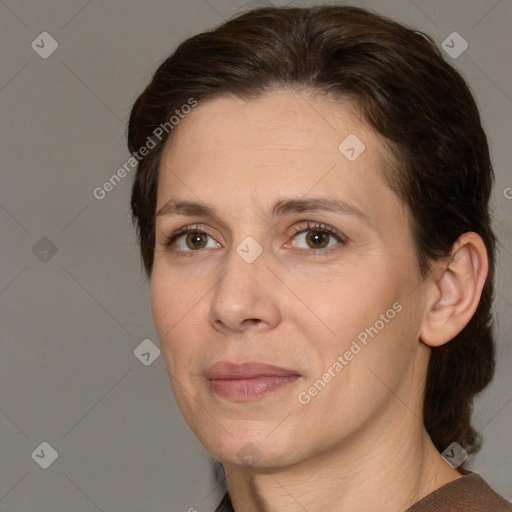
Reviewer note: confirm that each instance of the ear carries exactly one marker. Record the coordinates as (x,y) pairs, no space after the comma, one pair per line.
(455,291)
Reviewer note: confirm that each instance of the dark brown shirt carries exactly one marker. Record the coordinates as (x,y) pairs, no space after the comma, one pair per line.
(466,494)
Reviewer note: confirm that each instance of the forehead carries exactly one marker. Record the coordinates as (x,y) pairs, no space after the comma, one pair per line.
(295,120)
(284,141)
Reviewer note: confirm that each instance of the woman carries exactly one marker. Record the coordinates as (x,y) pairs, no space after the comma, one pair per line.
(311,200)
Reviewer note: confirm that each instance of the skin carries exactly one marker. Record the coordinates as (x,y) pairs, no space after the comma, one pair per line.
(359,444)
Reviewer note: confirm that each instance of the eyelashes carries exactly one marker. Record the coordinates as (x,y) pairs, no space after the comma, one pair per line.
(323,230)
(171,240)
(186,234)
(318,238)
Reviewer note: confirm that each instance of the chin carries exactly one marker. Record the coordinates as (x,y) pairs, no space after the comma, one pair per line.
(252,449)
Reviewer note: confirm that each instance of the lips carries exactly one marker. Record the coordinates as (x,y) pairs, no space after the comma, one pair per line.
(248,381)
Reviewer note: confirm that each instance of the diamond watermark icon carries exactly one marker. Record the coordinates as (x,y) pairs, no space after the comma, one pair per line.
(44,45)
(44,250)
(454,45)
(146,352)
(249,249)
(455,455)
(351,147)
(45,455)
(249,454)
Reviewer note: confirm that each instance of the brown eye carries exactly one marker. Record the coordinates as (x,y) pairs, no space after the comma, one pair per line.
(316,236)
(317,239)
(188,240)
(196,240)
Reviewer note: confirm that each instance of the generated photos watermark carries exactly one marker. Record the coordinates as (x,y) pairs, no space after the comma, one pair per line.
(158,133)
(342,361)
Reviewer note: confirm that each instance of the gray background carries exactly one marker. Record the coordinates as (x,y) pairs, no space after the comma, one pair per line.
(71,320)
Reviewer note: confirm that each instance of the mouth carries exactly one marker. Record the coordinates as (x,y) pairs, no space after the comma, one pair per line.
(248,381)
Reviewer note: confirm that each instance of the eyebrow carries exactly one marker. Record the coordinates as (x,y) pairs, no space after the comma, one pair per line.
(280,208)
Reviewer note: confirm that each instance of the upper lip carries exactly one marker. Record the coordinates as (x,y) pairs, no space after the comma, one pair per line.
(249,370)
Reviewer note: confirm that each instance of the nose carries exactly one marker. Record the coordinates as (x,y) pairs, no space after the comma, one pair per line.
(245,296)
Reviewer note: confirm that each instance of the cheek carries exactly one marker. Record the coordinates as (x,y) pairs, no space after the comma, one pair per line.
(180,309)
(162,305)
(347,302)
(173,298)
(170,303)
(367,321)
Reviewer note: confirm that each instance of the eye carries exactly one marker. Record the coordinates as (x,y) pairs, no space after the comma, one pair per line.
(317,236)
(311,237)
(190,239)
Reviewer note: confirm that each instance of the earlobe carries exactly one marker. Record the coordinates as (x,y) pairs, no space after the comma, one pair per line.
(456,291)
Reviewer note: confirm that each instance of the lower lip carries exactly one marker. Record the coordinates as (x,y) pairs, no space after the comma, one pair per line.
(249,389)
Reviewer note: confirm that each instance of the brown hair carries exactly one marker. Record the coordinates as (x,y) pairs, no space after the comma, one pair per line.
(407,93)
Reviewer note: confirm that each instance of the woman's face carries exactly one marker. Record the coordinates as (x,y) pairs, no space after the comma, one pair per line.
(289,314)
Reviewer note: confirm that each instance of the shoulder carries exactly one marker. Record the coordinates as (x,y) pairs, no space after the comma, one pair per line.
(468,493)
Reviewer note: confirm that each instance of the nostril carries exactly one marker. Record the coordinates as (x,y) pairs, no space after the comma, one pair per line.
(252,321)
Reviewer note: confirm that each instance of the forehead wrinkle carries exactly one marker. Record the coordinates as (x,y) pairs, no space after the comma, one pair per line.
(280,208)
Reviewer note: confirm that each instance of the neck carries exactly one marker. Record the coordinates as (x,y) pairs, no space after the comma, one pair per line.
(388,467)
